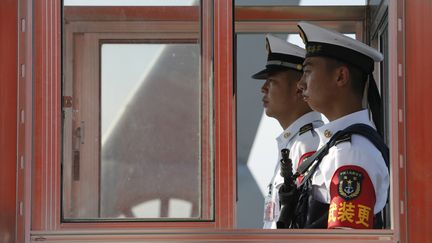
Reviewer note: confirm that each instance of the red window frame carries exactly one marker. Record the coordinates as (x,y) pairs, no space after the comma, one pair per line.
(45,199)
(46,190)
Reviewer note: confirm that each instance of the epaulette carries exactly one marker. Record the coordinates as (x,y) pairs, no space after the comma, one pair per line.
(306,128)
(343,138)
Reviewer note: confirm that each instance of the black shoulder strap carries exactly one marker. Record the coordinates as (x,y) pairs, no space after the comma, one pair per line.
(372,135)
(360,129)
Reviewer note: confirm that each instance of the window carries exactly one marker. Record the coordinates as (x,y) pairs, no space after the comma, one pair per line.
(93,36)
(136,117)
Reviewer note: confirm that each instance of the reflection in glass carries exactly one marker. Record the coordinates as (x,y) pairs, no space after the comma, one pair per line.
(137,111)
(150,96)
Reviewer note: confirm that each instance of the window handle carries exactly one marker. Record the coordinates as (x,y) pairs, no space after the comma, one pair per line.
(79,134)
(76,165)
(82,132)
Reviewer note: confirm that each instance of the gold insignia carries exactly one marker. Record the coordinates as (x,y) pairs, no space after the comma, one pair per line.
(299,67)
(328,133)
(313,48)
(349,184)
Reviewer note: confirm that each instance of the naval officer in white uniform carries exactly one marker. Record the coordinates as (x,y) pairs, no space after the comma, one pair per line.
(283,101)
(337,81)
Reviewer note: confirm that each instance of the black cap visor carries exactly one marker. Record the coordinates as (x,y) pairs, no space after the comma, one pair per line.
(263,74)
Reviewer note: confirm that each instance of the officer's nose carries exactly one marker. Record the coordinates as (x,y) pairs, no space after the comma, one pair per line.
(301,84)
(264,87)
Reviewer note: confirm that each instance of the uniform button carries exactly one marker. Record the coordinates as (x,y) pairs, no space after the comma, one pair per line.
(286,135)
(328,133)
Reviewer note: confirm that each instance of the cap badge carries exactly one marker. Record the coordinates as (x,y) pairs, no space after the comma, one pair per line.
(313,48)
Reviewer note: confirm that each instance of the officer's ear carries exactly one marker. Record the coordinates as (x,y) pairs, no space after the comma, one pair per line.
(342,75)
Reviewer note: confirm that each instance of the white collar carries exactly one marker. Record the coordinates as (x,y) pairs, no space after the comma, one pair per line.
(292,130)
(328,130)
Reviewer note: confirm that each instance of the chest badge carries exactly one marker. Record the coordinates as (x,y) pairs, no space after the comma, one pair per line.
(349,184)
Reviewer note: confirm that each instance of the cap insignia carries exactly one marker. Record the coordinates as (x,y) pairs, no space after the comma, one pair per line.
(313,48)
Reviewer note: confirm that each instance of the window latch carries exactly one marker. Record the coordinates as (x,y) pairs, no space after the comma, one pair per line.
(67,101)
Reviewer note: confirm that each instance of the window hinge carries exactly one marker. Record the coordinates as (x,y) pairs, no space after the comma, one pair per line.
(402,209)
(22,116)
(399,24)
(23,24)
(21,206)
(23,70)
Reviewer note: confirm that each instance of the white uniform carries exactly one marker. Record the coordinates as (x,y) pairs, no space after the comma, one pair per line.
(360,152)
(300,145)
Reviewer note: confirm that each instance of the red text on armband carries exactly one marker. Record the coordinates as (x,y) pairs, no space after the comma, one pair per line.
(352,199)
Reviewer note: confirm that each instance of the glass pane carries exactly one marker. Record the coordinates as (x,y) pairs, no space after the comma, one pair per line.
(256,132)
(137,112)
(150,130)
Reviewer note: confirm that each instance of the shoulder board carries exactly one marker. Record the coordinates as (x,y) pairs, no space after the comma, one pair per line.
(344,138)
(306,128)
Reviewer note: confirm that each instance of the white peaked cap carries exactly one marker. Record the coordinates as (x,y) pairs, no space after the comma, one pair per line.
(276,45)
(281,55)
(323,42)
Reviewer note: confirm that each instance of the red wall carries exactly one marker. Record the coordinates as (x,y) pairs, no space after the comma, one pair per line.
(8,114)
(418,36)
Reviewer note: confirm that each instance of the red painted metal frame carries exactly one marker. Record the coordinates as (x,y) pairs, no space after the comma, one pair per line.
(397,108)
(129,13)
(25,117)
(398,116)
(47,120)
(46,177)
(8,119)
(225,194)
(215,235)
(418,16)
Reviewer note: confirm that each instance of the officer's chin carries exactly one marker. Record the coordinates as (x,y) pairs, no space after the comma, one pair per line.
(268,112)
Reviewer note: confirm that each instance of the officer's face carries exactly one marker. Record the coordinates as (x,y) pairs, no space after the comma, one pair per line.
(279,94)
(317,84)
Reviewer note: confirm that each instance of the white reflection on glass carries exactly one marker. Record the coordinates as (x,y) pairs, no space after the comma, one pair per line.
(123,72)
(150,116)
(149,209)
(179,208)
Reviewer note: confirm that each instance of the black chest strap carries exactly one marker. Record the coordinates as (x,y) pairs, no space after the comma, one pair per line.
(308,167)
